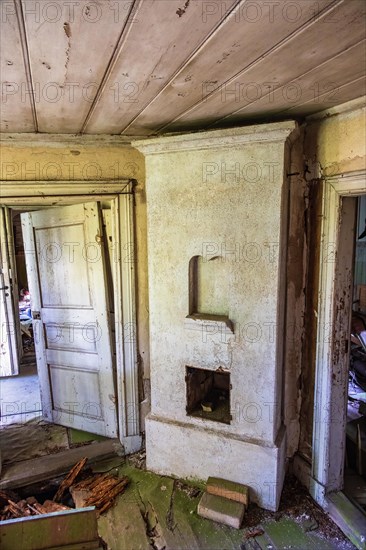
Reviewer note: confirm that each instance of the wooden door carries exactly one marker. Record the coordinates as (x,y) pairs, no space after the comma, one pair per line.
(67,281)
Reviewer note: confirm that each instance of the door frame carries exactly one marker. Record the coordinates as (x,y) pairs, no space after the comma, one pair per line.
(326,478)
(23,194)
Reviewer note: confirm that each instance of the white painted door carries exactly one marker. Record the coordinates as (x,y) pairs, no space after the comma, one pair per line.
(9,316)
(67,281)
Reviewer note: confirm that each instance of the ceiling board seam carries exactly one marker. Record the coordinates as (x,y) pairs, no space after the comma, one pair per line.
(280,114)
(26,60)
(116,52)
(289,82)
(272,50)
(62,140)
(327,92)
(191,56)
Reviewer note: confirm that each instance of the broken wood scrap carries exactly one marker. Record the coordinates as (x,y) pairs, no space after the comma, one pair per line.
(50,506)
(11,506)
(36,508)
(105,492)
(90,482)
(98,490)
(69,479)
(6,495)
(103,489)
(33,505)
(29,507)
(18,510)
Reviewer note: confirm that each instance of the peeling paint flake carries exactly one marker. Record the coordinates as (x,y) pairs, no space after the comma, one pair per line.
(182,11)
(67,29)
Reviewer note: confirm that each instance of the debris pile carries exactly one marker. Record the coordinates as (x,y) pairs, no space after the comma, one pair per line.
(12,507)
(80,488)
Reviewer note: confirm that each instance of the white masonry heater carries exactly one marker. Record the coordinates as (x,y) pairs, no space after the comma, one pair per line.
(217,238)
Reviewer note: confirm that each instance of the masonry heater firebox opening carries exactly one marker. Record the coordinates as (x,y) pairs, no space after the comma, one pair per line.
(208,394)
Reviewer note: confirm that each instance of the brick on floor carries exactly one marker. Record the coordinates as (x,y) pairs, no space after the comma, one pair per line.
(228,489)
(221,509)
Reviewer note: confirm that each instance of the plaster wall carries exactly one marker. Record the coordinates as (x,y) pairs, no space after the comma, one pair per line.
(336,142)
(229,201)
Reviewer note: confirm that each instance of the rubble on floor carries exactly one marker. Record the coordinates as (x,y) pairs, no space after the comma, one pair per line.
(159,513)
(81,488)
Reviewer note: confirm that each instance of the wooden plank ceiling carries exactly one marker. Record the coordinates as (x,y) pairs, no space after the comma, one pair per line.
(147,67)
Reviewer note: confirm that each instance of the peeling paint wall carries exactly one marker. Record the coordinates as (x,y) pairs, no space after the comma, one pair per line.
(308,348)
(337,143)
(332,145)
(295,295)
(56,161)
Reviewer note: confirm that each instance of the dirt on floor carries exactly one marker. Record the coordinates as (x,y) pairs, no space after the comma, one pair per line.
(296,504)
(159,512)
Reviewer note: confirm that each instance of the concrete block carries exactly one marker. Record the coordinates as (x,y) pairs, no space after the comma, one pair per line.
(228,489)
(221,509)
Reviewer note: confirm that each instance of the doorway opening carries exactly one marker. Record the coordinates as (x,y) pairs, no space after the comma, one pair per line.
(34,195)
(22,288)
(355,456)
(20,400)
(334,315)
(21,393)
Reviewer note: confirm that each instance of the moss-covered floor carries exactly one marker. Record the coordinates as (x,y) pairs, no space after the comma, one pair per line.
(158,512)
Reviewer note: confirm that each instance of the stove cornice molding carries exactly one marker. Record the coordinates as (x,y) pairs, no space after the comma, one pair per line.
(214,139)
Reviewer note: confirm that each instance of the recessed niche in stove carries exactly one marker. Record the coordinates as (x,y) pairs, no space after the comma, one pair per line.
(208,289)
(208,394)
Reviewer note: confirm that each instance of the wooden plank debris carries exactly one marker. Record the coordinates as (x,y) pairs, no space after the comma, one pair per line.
(12,509)
(98,490)
(69,479)
(28,472)
(103,490)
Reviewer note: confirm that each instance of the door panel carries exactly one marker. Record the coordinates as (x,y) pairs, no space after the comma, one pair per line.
(67,279)
(10,339)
